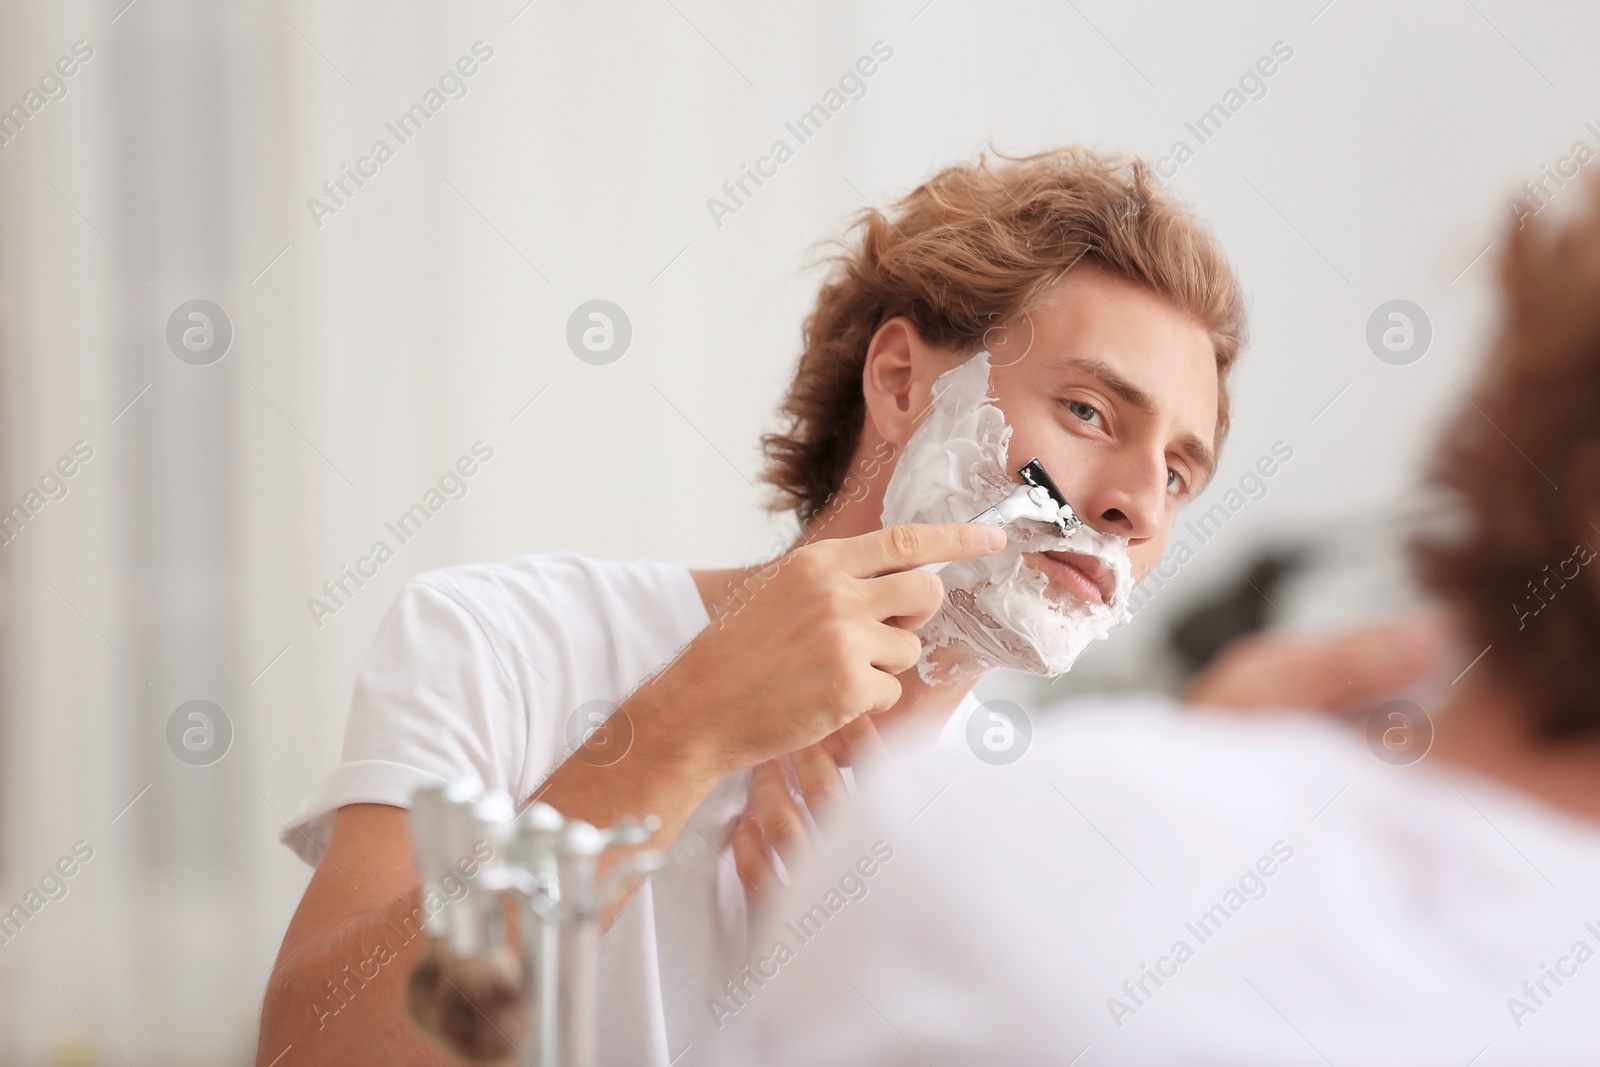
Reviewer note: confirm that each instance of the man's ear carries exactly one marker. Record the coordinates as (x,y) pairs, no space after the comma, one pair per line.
(897,379)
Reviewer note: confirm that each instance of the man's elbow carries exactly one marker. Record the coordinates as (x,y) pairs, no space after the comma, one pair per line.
(293,1017)
(278,1027)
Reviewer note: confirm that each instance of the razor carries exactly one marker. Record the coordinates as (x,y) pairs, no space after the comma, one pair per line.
(1038,498)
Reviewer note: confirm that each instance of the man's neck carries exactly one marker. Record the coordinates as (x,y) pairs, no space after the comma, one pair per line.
(1485,730)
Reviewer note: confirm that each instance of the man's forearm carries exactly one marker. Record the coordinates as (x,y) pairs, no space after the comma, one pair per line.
(665,772)
(342,999)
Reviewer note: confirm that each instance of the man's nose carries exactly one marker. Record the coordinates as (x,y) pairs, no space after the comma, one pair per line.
(1131,500)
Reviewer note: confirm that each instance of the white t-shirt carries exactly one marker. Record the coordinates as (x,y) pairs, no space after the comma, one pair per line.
(1148,886)
(475,674)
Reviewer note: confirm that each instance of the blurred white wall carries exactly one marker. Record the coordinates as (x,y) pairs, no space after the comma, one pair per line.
(373,349)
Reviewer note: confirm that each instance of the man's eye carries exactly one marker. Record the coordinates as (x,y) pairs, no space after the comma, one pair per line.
(1174,482)
(1086,412)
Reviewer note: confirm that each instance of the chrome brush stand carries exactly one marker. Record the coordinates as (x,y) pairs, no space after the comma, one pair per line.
(482,990)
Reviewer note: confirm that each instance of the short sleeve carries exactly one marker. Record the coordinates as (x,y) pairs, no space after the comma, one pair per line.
(437,701)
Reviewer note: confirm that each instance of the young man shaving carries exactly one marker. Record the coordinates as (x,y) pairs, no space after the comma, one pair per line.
(1057,307)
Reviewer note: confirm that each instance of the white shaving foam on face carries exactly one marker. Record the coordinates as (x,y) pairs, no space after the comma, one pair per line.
(997,610)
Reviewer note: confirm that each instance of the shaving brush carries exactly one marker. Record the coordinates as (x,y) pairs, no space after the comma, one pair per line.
(478,1006)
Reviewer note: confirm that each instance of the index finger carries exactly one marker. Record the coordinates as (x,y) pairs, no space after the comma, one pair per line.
(911,544)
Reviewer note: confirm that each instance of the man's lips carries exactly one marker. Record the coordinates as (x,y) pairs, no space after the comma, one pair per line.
(1083,575)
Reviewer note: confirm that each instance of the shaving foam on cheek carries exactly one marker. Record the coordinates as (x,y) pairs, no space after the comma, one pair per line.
(997,611)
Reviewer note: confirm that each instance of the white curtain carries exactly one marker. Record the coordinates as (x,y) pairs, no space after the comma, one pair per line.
(369,352)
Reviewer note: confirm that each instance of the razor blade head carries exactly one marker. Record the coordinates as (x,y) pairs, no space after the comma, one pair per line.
(1034,474)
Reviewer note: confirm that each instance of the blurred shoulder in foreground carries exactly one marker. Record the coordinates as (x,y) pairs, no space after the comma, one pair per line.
(1156,885)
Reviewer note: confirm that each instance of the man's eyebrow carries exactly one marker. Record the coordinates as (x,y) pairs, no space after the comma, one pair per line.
(1107,376)
(1190,445)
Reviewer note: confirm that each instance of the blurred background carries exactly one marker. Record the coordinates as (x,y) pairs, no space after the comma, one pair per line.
(225,363)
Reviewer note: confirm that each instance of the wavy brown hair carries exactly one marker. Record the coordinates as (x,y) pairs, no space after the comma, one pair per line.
(973,247)
(1518,478)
